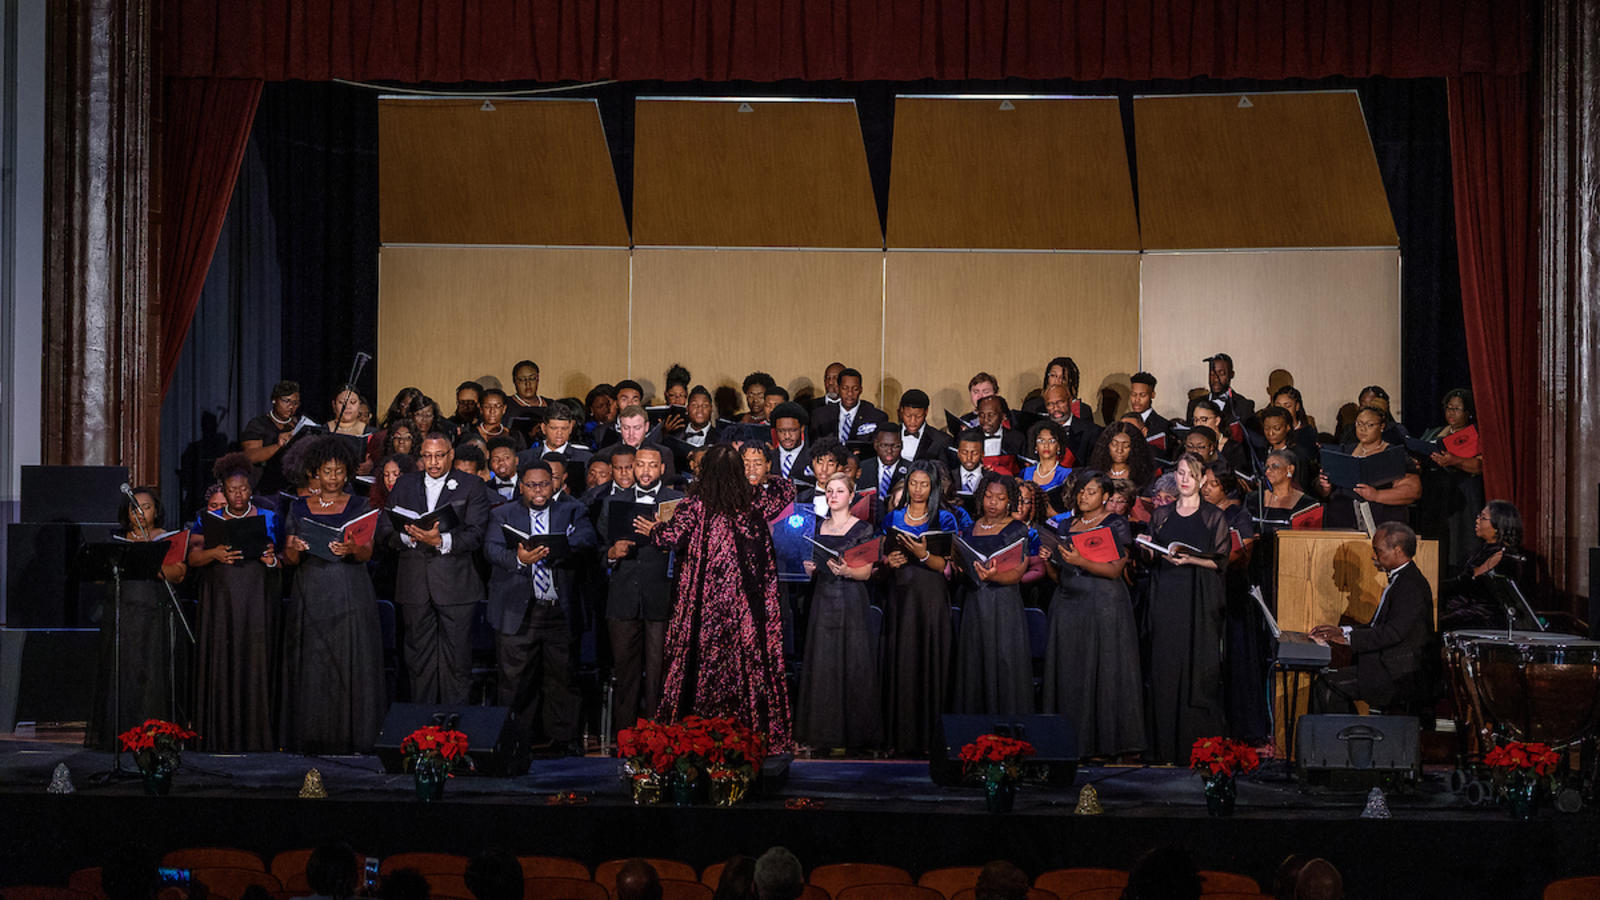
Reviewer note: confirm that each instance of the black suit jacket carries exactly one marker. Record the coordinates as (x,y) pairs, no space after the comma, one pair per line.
(640,588)
(1391,654)
(934,444)
(870,470)
(800,471)
(1237,408)
(868,419)
(423,573)
(1011,442)
(511,583)
(1081,435)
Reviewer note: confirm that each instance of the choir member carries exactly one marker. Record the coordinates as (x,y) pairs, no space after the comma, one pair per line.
(1452,490)
(400,437)
(918,440)
(502,480)
(426,416)
(789,456)
(437,586)
(757,464)
(1277,432)
(839,705)
(468,396)
(755,398)
(399,411)
(558,468)
(980,386)
(136,635)
(1248,653)
(725,640)
(916,619)
(633,425)
(1304,427)
(998,440)
(238,619)
(994,666)
(601,404)
(1234,406)
(332,689)
(1122,452)
(1388,503)
(534,607)
(700,431)
(264,437)
(1186,608)
(1034,512)
(1091,664)
(491,420)
(1080,432)
(390,468)
(525,400)
(1141,402)
(677,390)
(830,387)
(1283,494)
(597,473)
(853,418)
(639,601)
(969,462)
(629,393)
(1464,599)
(471,460)
(827,457)
(1062,371)
(886,466)
(1046,440)
(776,396)
(1203,414)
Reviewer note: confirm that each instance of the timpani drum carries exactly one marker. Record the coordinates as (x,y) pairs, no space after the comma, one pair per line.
(1525,685)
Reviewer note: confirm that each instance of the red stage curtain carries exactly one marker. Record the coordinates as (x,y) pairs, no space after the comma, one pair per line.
(897,40)
(1492,164)
(203,138)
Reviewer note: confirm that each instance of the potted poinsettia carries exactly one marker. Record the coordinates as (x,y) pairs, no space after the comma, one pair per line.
(997,761)
(433,753)
(156,747)
(1522,773)
(1219,760)
(648,753)
(736,753)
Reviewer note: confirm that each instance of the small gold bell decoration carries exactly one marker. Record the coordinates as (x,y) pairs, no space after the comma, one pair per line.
(312,789)
(1088,802)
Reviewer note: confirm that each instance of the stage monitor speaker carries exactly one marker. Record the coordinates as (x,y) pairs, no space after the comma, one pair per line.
(1055,746)
(72,493)
(1347,752)
(497,746)
(46,675)
(41,589)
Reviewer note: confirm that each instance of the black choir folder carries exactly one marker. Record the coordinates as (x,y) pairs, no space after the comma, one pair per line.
(246,534)
(445,517)
(940,543)
(558,544)
(1378,470)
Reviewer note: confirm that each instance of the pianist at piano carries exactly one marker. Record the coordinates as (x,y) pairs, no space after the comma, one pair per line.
(1390,666)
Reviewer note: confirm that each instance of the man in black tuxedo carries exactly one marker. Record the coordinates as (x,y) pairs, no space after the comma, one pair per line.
(534,606)
(887,465)
(1081,432)
(1391,667)
(918,441)
(1235,406)
(853,419)
(639,603)
(1142,400)
(830,388)
(437,587)
(699,431)
(633,424)
(998,440)
(789,458)
(561,420)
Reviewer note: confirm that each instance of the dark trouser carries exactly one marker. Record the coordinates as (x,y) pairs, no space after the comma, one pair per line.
(539,672)
(1335,691)
(439,651)
(639,647)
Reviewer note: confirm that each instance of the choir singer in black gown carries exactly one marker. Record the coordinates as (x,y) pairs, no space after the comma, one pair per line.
(1186,612)
(239,600)
(916,641)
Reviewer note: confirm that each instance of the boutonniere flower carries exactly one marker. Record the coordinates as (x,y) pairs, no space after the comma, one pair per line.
(450,484)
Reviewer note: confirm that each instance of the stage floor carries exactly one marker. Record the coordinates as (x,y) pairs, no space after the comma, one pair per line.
(1435,844)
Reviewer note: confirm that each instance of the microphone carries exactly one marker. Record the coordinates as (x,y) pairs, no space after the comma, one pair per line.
(128,491)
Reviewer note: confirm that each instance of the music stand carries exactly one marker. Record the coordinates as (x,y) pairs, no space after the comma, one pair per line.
(1506,593)
(111,561)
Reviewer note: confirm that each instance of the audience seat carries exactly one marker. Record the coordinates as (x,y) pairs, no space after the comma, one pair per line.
(42,892)
(446,885)
(812,892)
(552,867)
(289,867)
(679,889)
(1212,882)
(1066,882)
(1236,895)
(1586,887)
(1033,894)
(951,879)
(605,874)
(213,858)
(426,863)
(88,881)
(1100,893)
(563,889)
(888,891)
(228,883)
(838,876)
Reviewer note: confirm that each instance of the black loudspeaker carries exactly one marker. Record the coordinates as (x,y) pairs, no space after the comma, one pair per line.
(1055,746)
(46,675)
(497,746)
(1347,752)
(41,589)
(71,493)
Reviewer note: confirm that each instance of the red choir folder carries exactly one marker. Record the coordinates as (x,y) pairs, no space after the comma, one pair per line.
(177,547)
(866,553)
(1068,459)
(1010,557)
(362,528)
(1235,543)
(1157,441)
(1308,519)
(1004,463)
(861,507)
(1096,545)
(1463,443)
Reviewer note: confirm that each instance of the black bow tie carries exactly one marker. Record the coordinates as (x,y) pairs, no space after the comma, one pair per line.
(650,492)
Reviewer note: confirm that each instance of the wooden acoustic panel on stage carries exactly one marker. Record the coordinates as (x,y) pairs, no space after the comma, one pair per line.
(1330,319)
(518,172)
(447,314)
(726,313)
(1047,173)
(949,315)
(1323,576)
(1277,170)
(751,173)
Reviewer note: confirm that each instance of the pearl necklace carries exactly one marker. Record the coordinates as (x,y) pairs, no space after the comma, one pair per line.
(917,520)
(249,510)
(324,504)
(499,430)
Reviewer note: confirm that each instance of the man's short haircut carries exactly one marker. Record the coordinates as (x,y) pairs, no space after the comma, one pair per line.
(470,453)
(634,411)
(829,447)
(970,436)
(778,875)
(755,378)
(1393,535)
(627,383)
(563,412)
(1144,378)
(533,465)
(980,378)
(502,441)
(853,373)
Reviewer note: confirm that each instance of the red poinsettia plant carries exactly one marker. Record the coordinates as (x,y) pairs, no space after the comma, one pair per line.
(737,749)
(722,747)
(436,750)
(1214,756)
(1520,757)
(648,747)
(155,745)
(995,757)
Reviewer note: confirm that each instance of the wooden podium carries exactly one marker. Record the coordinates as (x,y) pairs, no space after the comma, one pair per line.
(1321,577)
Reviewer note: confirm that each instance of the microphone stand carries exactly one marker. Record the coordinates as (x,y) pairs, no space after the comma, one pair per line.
(357,366)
